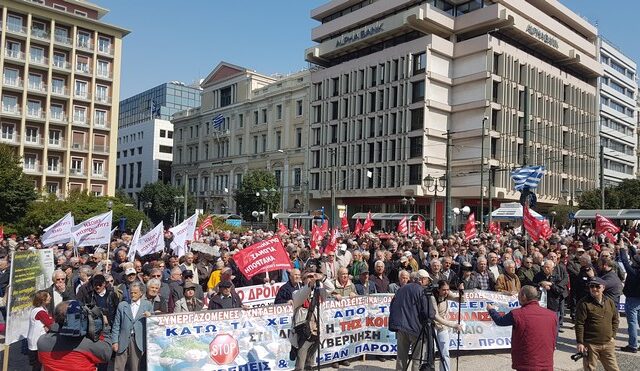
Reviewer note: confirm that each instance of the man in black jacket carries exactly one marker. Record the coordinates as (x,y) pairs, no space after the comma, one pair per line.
(631,290)
(225,298)
(100,295)
(59,290)
(613,285)
(285,292)
(554,285)
(409,310)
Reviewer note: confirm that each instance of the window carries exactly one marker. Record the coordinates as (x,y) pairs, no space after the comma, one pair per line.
(239,146)
(32,135)
(82,64)
(11,77)
(59,60)
(417,91)
(98,167)
(225,96)
(139,181)
(10,104)
(255,117)
(241,120)
(61,34)
(170,134)
(79,115)
(278,140)
(264,142)
(297,177)
(54,137)
(56,112)
(299,137)
(96,190)
(14,49)
(255,144)
(58,86)
(419,63)
(100,118)
(104,45)
(415,174)
(36,55)
(81,89)
(103,68)
(163,133)
(77,165)
(53,188)
(102,93)
(417,119)
(30,161)
(299,108)
(34,108)
(165,149)
(264,115)
(415,147)
(84,40)
(279,112)
(8,131)
(14,23)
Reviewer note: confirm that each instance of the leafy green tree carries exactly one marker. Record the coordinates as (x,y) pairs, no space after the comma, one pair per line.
(246,196)
(16,190)
(562,214)
(163,201)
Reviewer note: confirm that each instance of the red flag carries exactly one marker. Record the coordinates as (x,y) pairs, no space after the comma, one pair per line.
(531,224)
(545,229)
(470,228)
(264,256)
(282,229)
(494,228)
(316,236)
(302,230)
(207,222)
(611,237)
(368,223)
(605,225)
(295,226)
(1,232)
(345,223)
(333,242)
(358,229)
(402,226)
(421,227)
(325,227)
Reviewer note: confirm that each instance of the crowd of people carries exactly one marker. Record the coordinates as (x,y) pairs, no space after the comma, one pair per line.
(563,267)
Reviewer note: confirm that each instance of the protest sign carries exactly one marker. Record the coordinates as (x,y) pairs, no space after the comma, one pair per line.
(258,295)
(93,231)
(182,233)
(264,256)
(58,232)
(30,271)
(151,242)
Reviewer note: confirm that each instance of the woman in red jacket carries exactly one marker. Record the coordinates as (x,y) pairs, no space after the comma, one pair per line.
(39,323)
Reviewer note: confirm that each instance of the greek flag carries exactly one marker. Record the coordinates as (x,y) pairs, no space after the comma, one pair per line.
(218,121)
(528,176)
(155,109)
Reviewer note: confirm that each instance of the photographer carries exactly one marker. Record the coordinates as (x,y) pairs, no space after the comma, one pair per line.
(439,301)
(409,311)
(305,340)
(62,352)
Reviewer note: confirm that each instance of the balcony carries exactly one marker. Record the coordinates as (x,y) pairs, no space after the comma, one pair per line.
(83,69)
(79,146)
(40,34)
(33,140)
(99,174)
(61,64)
(16,29)
(57,143)
(101,124)
(39,60)
(80,120)
(105,49)
(38,86)
(84,44)
(10,138)
(59,90)
(100,148)
(14,54)
(14,110)
(104,74)
(32,168)
(37,114)
(14,82)
(76,172)
(103,99)
(81,95)
(55,169)
(63,40)
(57,116)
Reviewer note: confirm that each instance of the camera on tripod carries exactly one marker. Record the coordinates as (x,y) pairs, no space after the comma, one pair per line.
(83,320)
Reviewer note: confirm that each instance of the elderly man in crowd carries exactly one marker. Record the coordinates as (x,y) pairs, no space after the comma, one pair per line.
(508,282)
(59,290)
(128,330)
(380,278)
(285,292)
(485,278)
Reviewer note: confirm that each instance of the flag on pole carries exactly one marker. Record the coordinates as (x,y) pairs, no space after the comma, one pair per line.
(470,231)
(333,242)
(133,247)
(344,223)
(93,231)
(206,223)
(358,228)
(151,242)
(218,120)
(494,228)
(325,227)
(531,224)
(183,232)
(606,227)
(368,223)
(58,232)
(295,226)
(528,176)
(402,226)
(282,229)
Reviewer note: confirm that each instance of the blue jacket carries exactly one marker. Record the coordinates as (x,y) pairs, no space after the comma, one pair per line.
(360,288)
(632,282)
(125,323)
(285,293)
(409,309)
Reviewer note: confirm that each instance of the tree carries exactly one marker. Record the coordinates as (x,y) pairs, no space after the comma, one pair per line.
(562,214)
(163,203)
(246,196)
(622,196)
(16,190)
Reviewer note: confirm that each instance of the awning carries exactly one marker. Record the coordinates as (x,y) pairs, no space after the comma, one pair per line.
(226,216)
(295,216)
(511,211)
(387,216)
(628,214)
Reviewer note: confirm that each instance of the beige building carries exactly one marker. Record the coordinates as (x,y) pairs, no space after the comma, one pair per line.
(398,75)
(60,90)
(246,121)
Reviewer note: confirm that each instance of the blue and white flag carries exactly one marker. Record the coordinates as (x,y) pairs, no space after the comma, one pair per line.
(155,109)
(218,121)
(528,176)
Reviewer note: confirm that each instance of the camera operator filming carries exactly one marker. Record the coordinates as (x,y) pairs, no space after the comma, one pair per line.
(409,312)
(439,301)
(74,340)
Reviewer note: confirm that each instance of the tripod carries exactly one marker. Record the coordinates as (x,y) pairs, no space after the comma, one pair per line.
(427,338)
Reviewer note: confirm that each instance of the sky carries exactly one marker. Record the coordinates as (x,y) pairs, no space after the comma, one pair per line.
(184,40)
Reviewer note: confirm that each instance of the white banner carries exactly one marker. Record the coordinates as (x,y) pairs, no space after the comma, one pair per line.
(93,231)
(151,242)
(259,295)
(183,232)
(133,246)
(58,232)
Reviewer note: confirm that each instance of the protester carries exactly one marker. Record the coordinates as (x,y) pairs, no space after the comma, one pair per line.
(62,352)
(59,290)
(40,321)
(225,298)
(534,332)
(305,340)
(342,286)
(365,287)
(631,290)
(160,304)
(188,302)
(553,286)
(439,300)
(380,278)
(285,292)
(129,327)
(508,282)
(409,310)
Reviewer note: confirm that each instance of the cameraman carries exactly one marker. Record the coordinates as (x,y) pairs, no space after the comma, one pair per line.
(60,352)
(409,311)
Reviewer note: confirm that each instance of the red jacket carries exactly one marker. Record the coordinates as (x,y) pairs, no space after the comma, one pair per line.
(533,337)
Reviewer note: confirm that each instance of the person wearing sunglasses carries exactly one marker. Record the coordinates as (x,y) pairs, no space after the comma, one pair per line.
(59,290)
(596,326)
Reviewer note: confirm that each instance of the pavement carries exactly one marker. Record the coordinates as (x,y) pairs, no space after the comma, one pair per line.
(495,360)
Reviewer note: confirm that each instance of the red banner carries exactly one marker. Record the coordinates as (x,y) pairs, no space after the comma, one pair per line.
(345,223)
(470,231)
(605,225)
(531,224)
(402,226)
(494,228)
(368,223)
(358,228)
(265,256)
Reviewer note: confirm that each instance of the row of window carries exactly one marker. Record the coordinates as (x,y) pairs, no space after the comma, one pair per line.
(31,163)
(627,72)
(53,187)
(55,138)
(131,137)
(620,107)
(616,125)
(611,82)
(617,146)
(129,152)
(128,171)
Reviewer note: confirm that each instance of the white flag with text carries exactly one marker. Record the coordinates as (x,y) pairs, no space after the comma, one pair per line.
(181,233)
(93,231)
(151,242)
(58,232)
(133,247)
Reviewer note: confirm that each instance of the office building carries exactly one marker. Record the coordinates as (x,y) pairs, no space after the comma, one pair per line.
(618,114)
(60,76)
(396,78)
(247,121)
(145,135)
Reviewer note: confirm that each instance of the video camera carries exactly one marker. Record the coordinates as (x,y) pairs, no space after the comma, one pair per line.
(578,356)
(83,321)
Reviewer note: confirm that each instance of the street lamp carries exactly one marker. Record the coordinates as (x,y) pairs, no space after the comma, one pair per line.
(266,198)
(147,207)
(553,217)
(436,185)
(404,202)
(178,200)
(412,202)
(109,205)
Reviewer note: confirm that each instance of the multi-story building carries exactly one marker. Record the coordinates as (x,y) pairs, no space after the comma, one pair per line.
(618,114)
(400,76)
(145,135)
(247,121)
(60,76)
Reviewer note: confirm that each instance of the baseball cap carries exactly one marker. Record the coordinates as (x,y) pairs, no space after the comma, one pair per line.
(403,259)
(224,284)
(187,273)
(129,271)
(423,274)
(598,281)
(188,285)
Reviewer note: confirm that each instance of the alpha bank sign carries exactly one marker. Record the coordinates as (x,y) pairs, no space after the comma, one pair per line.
(359,35)
(542,36)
